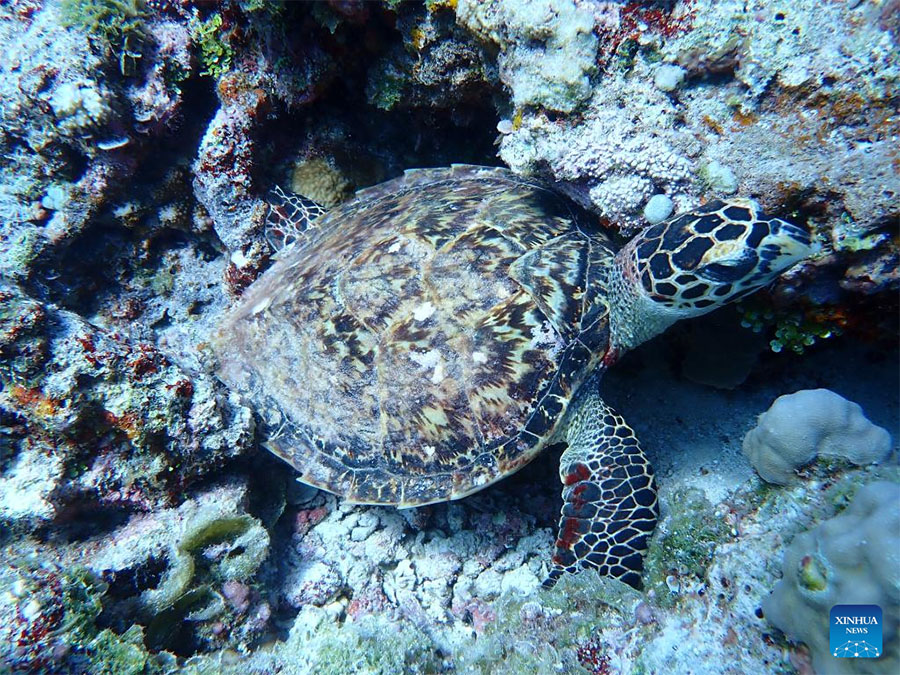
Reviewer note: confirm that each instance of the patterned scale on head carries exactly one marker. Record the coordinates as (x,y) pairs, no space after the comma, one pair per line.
(435,333)
(716,254)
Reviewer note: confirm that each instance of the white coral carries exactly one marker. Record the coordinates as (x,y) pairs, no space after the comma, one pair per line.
(79,104)
(605,148)
(547,47)
(624,164)
(400,582)
(620,196)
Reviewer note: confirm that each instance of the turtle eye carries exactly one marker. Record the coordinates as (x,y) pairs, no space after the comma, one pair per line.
(727,271)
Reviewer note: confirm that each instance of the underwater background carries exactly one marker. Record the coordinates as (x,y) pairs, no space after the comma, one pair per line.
(143,527)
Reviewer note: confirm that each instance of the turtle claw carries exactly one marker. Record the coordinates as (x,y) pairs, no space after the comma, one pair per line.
(553,577)
(289,216)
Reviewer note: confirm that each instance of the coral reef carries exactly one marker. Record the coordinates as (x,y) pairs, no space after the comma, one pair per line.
(118,23)
(203,555)
(50,614)
(682,551)
(74,130)
(251,82)
(125,600)
(850,559)
(439,574)
(223,185)
(436,64)
(141,532)
(455,585)
(659,124)
(812,423)
(108,421)
(547,48)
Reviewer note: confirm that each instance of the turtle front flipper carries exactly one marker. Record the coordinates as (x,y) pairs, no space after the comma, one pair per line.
(609,495)
(290,216)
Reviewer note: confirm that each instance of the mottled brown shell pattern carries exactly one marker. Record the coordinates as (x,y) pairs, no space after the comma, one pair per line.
(427,339)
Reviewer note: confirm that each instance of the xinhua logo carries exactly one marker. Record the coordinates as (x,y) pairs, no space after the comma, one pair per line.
(856,631)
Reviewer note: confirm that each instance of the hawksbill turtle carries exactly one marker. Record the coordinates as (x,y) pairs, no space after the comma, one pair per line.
(433,334)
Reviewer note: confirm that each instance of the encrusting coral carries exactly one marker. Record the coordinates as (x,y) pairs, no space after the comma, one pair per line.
(851,559)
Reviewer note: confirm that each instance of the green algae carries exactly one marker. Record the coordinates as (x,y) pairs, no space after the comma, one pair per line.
(543,632)
(270,6)
(386,85)
(684,543)
(384,652)
(246,544)
(840,494)
(216,53)
(119,654)
(795,329)
(119,24)
(813,574)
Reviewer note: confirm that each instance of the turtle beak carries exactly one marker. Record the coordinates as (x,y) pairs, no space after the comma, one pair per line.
(794,242)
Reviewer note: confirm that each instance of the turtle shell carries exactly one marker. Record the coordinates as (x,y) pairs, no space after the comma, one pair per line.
(426,339)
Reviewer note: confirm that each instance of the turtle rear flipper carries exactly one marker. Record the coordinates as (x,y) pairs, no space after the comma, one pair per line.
(290,216)
(609,496)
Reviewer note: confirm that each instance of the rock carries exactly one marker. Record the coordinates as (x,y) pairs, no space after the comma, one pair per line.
(667,77)
(658,208)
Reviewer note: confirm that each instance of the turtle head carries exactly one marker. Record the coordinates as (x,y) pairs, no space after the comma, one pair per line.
(700,260)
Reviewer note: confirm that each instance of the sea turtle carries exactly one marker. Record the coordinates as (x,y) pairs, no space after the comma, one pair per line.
(436,332)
